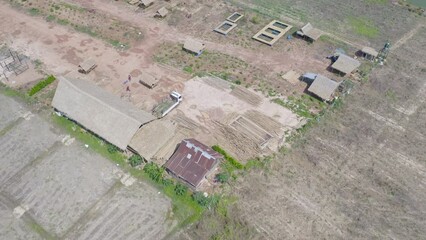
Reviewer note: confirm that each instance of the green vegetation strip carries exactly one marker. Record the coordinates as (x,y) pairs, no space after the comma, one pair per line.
(40,85)
(302,106)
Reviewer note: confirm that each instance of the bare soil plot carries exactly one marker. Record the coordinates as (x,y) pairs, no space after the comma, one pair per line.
(360,173)
(362,22)
(236,122)
(135,212)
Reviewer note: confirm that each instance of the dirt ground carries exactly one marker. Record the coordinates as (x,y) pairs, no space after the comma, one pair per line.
(360,173)
(54,187)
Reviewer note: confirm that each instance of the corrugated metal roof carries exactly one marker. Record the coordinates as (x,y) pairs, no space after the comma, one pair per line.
(323,87)
(99,111)
(192,161)
(345,64)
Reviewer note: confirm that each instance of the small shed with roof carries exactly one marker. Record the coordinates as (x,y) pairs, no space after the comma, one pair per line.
(345,64)
(162,12)
(148,80)
(87,66)
(194,46)
(145,3)
(308,31)
(369,53)
(192,162)
(323,87)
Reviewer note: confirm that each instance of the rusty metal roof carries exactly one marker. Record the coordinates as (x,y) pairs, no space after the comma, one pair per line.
(192,161)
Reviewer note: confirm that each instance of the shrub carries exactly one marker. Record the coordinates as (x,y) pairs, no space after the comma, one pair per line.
(255,19)
(134,160)
(167,182)
(180,189)
(154,171)
(42,84)
(210,201)
(112,148)
(222,177)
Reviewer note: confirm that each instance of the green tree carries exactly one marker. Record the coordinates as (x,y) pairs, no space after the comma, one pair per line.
(222,177)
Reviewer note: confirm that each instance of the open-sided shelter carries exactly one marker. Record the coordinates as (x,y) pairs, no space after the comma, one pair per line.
(192,162)
(87,66)
(308,31)
(145,3)
(323,87)
(369,53)
(194,47)
(345,64)
(162,12)
(100,112)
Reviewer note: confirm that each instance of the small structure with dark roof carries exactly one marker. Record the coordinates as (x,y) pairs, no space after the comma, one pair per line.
(87,66)
(323,87)
(162,12)
(345,64)
(369,53)
(192,162)
(194,47)
(308,31)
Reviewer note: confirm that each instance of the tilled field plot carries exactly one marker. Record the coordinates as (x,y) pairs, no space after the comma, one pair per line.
(12,228)
(54,190)
(57,190)
(9,111)
(134,212)
(22,144)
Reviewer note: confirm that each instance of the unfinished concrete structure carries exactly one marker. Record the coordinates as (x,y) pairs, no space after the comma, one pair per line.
(11,62)
(87,66)
(148,80)
(225,27)
(272,32)
(309,32)
(161,13)
(235,17)
(192,162)
(369,53)
(98,111)
(194,47)
(323,87)
(345,65)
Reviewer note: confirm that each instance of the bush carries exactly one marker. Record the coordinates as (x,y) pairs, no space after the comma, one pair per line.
(180,189)
(112,148)
(211,201)
(134,160)
(42,84)
(230,159)
(167,182)
(154,171)
(255,19)
(222,177)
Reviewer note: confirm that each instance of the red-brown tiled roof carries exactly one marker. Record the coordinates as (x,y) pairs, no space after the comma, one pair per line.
(192,161)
